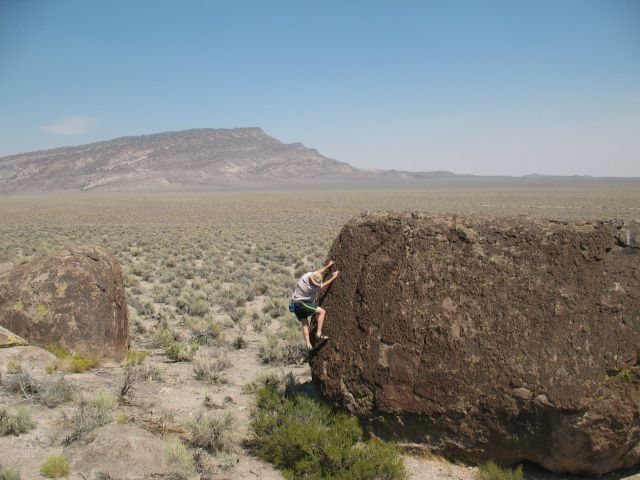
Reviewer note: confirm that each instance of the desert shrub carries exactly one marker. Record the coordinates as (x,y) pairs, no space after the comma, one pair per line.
(56,466)
(90,414)
(294,353)
(262,287)
(236,314)
(161,294)
(136,322)
(15,423)
(277,351)
(182,352)
(259,322)
(135,357)
(167,276)
(146,309)
(621,374)
(270,350)
(9,473)
(58,350)
(209,368)
(305,439)
(267,376)
(179,457)
(127,385)
(79,363)
(164,338)
(103,403)
(142,269)
(199,308)
(492,471)
(212,432)
(13,366)
(239,343)
(206,331)
(48,391)
(131,280)
(275,307)
(70,361)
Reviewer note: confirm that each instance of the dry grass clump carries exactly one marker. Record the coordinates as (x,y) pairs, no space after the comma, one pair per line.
(56,466)
(15,423)
(13,366)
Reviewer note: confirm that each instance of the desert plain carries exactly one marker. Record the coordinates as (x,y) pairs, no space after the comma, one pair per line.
(208,276)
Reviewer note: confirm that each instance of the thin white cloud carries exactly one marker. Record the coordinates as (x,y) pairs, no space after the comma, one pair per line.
(72,125)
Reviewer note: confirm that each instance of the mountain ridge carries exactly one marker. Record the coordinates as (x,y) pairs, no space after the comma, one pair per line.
(199,158)
(195,157)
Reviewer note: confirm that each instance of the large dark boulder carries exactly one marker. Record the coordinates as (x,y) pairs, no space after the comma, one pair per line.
(74,298)
(510,339)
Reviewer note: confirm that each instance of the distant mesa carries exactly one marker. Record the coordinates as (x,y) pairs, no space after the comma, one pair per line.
(198,159)
(190,159)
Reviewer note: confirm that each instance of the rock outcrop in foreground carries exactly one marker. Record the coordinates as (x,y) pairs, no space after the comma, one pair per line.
(510,339)
(74,298)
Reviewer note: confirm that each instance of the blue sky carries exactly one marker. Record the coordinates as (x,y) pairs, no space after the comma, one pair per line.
(486,87)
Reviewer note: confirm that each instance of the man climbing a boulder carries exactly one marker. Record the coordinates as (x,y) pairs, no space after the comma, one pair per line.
(305,298)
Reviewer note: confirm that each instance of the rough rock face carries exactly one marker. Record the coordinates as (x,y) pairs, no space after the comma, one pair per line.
(74,298)
(510,339)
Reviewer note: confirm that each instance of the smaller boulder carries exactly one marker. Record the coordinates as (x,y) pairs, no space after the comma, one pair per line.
(125,452)
(10,339)
(74,298)
(34,359)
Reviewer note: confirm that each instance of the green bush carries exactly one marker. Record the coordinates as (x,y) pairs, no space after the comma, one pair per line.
(307,440)
(56,466)
(492,471)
